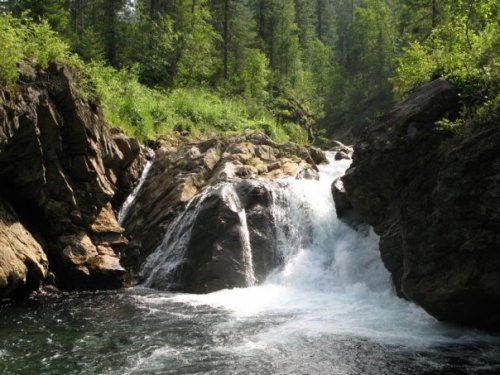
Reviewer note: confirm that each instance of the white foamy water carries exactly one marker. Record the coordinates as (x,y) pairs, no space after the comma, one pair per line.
(329,310)
(125,208)
(333,280)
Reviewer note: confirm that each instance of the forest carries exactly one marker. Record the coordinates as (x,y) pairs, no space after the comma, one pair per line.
(250,187)
(283,66)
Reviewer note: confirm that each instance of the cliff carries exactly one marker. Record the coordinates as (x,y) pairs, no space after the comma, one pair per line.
(64,174)
(433,196)
(61,168)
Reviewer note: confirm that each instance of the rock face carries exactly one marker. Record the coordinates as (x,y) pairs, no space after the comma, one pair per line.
(60,167)
(345,211)
(185,169)
(23,264)
(434,199)
(225,239)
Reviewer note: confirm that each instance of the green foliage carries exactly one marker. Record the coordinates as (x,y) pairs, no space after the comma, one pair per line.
(215,66)
(11,37)
(197,61)
(149,113)
(464,49)
(52,11)
(466,44)
(22,39)
(359,78)
(155,44)
(252,81)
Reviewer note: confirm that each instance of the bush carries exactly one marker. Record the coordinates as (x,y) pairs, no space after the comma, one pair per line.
(137,109)
(21,38)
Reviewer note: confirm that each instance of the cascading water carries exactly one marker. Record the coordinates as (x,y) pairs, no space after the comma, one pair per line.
(329,309)
(319,251)
(164,268)
(235,205)
(125,208)
(160,267)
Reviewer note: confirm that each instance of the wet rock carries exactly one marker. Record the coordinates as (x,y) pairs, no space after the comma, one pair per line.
(225,247)
(344,208)
(340,147)
(342,155)
(433,197)
(132,161)
(317,155)
(184,168)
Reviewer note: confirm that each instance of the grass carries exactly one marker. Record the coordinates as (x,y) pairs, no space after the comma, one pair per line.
(140,111)
(151,113)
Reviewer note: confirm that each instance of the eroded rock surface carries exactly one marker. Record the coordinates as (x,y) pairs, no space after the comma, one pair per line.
(60,168)
(182,170)
(225,239)
(434,199)
(23,263)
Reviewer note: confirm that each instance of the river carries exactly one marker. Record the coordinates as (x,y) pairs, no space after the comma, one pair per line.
(331,309)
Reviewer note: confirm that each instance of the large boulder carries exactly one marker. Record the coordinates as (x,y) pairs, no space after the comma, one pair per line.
(225,239)
(433,197)
(184,168)
(23,263)
(343,206)
(60,168)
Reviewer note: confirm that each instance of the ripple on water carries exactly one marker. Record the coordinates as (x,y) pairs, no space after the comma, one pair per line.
(147,332)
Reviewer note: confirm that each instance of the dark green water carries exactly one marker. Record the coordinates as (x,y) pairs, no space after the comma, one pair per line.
(147,332)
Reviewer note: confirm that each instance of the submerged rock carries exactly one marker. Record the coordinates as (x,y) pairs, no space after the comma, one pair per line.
(434,199)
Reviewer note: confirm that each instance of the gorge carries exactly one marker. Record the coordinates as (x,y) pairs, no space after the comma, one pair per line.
(234,247)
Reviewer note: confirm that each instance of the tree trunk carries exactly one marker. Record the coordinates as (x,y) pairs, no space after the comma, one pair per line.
(153,9)
(434,14)
(319,13)
(110,12)
(226,38)
(352,11)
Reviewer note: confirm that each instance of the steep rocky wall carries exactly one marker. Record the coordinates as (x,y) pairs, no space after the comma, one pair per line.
(60,169)
(434,199)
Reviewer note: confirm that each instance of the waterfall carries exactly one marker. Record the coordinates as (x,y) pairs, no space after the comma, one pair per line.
(318,251)
(247,249)
(163,269)
(234,203)
(160,267)
(125,208)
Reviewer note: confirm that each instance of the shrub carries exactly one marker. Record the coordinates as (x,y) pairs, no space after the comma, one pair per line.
(21,38)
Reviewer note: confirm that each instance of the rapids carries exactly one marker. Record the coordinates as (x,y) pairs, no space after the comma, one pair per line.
(330,309)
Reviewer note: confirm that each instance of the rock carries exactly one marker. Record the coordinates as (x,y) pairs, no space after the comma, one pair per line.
(345,210)
(342,155)
(61,168)
(132,160)
(184,168)
(434,199)
(23,263)
(339,146)
(317,155)
(78,249)
(215,256)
